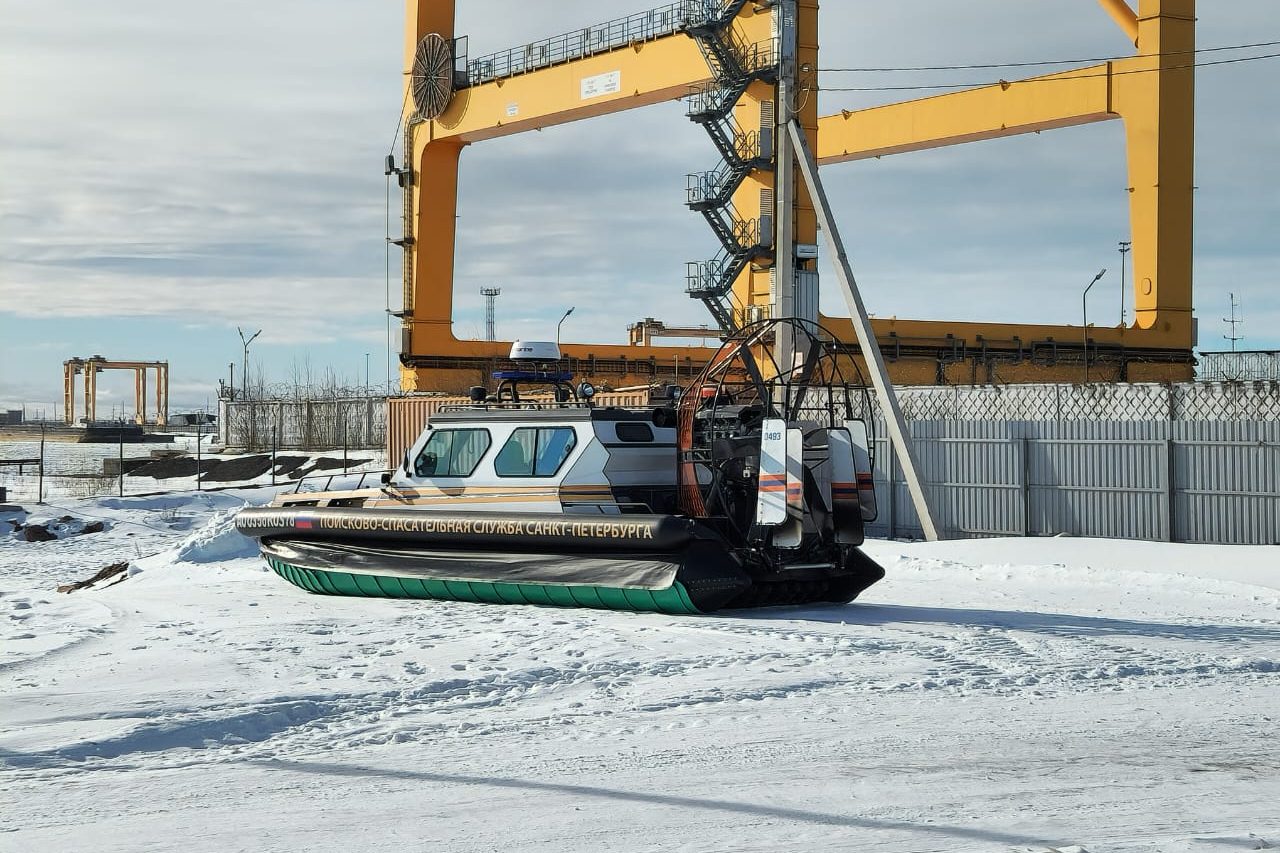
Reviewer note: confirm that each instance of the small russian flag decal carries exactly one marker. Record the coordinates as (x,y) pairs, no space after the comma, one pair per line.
(303,522)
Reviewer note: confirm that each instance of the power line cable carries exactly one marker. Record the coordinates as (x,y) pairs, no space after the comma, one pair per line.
(1046,61)
(1045,79)
(399,122)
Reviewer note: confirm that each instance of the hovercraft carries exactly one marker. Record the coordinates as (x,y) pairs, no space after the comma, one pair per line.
(749,489)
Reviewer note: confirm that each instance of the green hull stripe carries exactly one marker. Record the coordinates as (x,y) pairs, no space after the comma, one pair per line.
(674,599)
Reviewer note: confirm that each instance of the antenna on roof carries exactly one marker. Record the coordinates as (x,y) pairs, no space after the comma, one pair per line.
(1233,321)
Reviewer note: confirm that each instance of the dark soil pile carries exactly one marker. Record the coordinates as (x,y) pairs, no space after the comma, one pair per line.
(241,468)
(238,470)
(37,533)
(328,463)
(286,465)
(59,528)
(174,466)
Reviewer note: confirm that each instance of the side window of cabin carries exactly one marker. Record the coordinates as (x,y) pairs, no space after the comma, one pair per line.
(535,452)
(634,431)
(452,453)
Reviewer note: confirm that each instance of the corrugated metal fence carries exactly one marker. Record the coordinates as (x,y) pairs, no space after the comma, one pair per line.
(1194,481)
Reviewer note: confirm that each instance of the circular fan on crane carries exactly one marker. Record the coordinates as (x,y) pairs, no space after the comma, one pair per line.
(747,381)
(432,83)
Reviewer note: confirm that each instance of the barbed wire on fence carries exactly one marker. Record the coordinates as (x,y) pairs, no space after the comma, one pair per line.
(291,392)
(1191,401)
(311,424)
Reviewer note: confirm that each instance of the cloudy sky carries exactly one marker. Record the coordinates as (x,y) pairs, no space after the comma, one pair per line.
(169,172)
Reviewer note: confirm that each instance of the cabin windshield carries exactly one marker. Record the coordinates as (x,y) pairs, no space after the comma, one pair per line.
(452,453)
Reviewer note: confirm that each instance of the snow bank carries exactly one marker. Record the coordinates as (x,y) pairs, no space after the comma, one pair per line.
(216,541)
(151,502)
(213,543)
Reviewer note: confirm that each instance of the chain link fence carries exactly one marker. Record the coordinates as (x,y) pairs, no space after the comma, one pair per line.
(323,424)
(62,467)
(1186,401)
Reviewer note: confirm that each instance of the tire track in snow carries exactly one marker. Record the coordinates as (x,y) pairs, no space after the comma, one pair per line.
(36,630)
(537,696)
(593,674)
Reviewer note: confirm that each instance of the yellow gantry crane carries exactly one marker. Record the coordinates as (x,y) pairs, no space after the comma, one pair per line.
(746,68)
(94,365)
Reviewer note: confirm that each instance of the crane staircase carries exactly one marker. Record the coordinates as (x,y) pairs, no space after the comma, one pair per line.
(735,65)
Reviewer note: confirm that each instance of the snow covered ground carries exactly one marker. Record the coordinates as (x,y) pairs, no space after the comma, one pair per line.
(1001,695)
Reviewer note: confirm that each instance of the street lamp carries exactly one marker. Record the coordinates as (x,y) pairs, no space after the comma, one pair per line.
(244,371)
(1084,319)
(561,323)
(1124,250)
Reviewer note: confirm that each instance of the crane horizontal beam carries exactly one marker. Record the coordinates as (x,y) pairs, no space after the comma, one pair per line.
(664,69)
(1081,96)
(637,75)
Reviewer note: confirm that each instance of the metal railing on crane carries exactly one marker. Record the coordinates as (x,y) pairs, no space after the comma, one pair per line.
(665,20)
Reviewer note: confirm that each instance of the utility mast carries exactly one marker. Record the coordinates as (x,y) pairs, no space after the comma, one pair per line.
(490,295)
(1233,321)
(784,25)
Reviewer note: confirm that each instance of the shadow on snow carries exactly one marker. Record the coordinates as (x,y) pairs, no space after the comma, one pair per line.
(1055,624)
(758,810)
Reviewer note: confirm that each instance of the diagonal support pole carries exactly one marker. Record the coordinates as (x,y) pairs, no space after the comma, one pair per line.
(866,337)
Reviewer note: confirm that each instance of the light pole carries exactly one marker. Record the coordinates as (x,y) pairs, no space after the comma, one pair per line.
(244,370)
(561,323)
(1124,250)
(366,373)
(1084,319)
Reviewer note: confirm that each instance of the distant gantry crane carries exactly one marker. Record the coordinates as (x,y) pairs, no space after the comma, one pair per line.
(643,332)
(748,70)
(92,366)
